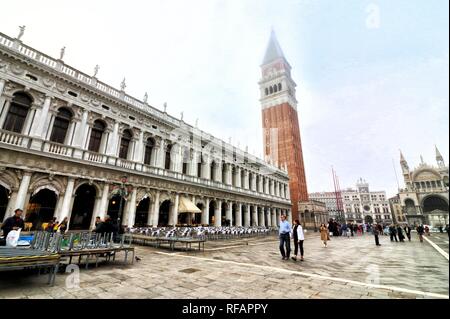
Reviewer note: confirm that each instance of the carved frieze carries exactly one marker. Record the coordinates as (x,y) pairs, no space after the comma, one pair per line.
(3,64)
(16,69)
(48,82)
(61,88)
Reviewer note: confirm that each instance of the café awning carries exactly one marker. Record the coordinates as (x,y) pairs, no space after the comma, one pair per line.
(187,206)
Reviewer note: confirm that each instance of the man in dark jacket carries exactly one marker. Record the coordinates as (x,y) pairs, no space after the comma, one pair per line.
(407,230)
(13,223)
(376,232)
(420,231)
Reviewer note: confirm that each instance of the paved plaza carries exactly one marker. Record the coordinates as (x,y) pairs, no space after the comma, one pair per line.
(252,268)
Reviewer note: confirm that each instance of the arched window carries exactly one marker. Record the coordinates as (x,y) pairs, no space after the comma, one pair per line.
(17,113)
(213,170)
(148,150)
(96,136)
(275,88)
(271,90)
(199,165)
(279,86)
(267,91)
(186,159)
(168,151)
(124,144)
(61,125)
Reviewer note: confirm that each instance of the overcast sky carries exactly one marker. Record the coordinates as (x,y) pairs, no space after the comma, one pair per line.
(372,76)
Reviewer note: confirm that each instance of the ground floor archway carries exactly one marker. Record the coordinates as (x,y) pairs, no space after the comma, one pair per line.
(223,215)
(212,210)
(142,212)
(115,206)
(83,207)
(164,210)
(41,208)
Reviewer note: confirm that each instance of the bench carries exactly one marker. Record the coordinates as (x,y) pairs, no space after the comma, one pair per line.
(21,258)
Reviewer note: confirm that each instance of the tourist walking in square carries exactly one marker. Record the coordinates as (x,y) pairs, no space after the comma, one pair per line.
(407,230)
(420,231)
(285,240)
(376,232)
(400,234)
(324,236)
(299,237)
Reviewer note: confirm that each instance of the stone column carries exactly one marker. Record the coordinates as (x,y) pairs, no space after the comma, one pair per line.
(10,208)
(5,103)
(238,177)
(79,135)
(218,172)
(289,216)
(255,216)
(260,184)
(205,213)
(218,214)
(58,207)
(151,209)
(37,127)
(23,190)
(267,217)
(229,177)
(229,214)
(49,128)
(277,213)
(273,214)
(175,210)
(139,154)
(97,203)
(111,147)
(102,211)
(39,124)
(247,217)
(239,215)
(261,217)
(206,168)
(28,121)
(159,153)
(155,214)
(130,213)
(246,180)
(68,194)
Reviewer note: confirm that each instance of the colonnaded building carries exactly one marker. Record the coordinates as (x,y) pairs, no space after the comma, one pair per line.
(72,146)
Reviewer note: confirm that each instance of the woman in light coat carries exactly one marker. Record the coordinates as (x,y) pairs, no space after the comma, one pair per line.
(324,236)
(298,236)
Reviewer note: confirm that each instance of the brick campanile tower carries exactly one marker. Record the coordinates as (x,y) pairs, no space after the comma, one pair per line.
(282,144)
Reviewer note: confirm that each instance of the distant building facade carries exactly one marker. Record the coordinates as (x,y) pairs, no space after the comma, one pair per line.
(330,201)
(312,213)
(396,208)
(425,196)
(358,204)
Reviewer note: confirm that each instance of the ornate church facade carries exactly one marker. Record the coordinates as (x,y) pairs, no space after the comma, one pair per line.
(73,146)
(425,197)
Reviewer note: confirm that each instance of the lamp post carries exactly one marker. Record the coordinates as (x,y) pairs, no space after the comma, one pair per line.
(122,193)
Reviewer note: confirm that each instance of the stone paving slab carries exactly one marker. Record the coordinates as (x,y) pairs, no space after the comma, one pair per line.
(252,268)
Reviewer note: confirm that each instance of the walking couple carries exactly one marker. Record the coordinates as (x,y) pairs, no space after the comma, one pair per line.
(286,233)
